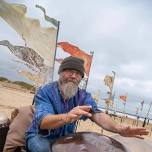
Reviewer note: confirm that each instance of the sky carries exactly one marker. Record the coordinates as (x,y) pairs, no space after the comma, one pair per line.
(118,31)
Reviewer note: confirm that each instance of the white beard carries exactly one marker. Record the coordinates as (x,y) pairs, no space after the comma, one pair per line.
(69,89)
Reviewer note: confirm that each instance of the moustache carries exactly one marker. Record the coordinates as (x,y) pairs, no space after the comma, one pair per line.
(72,80)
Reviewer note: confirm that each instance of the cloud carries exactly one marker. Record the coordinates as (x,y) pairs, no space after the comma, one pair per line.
(119,33)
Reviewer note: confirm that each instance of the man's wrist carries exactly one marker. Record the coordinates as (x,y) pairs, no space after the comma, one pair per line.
(118,129)
(66,119)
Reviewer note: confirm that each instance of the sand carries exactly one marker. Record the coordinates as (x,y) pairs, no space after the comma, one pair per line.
(11,98)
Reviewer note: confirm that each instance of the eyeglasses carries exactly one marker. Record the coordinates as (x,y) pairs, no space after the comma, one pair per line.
(72,72)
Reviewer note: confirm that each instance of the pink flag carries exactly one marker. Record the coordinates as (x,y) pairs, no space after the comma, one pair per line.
(123,98)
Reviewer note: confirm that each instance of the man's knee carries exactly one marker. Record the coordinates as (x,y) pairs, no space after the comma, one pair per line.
(39,148)
(42,149)
(37,144)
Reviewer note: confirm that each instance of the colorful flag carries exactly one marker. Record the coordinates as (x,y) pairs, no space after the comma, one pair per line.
(108,81)
(123,98)
(76,52)
(25,54)
(41,39)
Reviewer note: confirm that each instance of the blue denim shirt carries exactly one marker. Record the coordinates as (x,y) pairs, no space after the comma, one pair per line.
(48,100)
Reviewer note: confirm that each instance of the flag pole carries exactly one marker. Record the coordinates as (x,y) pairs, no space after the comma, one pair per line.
(110,84)
(124,108)
(52,73)
(144,123)
(139,111)
(112,94)
(114,73)
(92,53)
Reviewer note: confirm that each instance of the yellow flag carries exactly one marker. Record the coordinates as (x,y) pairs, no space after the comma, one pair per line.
(108,81)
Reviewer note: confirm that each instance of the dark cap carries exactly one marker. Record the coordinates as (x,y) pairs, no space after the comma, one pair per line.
(72,63)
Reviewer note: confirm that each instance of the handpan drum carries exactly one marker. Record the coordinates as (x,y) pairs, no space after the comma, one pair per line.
(87,142)
(4,126)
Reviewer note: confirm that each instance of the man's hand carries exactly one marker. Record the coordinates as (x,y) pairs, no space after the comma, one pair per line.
(77,112)
(129,131)
(103,120)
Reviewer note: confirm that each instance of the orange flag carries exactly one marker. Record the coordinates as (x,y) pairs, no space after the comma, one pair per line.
(76,52)
(123,98)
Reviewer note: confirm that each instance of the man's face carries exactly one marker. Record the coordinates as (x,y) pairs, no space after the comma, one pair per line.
(69,81)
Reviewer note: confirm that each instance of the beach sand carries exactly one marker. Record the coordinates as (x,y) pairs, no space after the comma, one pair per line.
(11,98)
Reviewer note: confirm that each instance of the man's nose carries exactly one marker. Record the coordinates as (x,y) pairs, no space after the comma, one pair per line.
(73,74)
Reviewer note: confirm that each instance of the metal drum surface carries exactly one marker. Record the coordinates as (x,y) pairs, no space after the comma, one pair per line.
(87,142)
(134,144)
(4,126)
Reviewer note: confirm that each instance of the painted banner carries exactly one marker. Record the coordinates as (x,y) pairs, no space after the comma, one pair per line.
(41,39)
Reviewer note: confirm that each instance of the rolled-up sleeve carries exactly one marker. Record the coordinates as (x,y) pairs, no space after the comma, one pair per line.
(43,105)
(89,101)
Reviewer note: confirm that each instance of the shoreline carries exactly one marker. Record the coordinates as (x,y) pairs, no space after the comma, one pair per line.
(129,115)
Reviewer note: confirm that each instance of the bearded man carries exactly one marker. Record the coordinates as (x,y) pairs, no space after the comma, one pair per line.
(59,105)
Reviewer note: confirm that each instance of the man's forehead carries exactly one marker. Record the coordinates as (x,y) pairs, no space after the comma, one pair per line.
(71,70)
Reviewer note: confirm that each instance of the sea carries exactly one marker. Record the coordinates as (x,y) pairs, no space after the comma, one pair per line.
(129,109)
